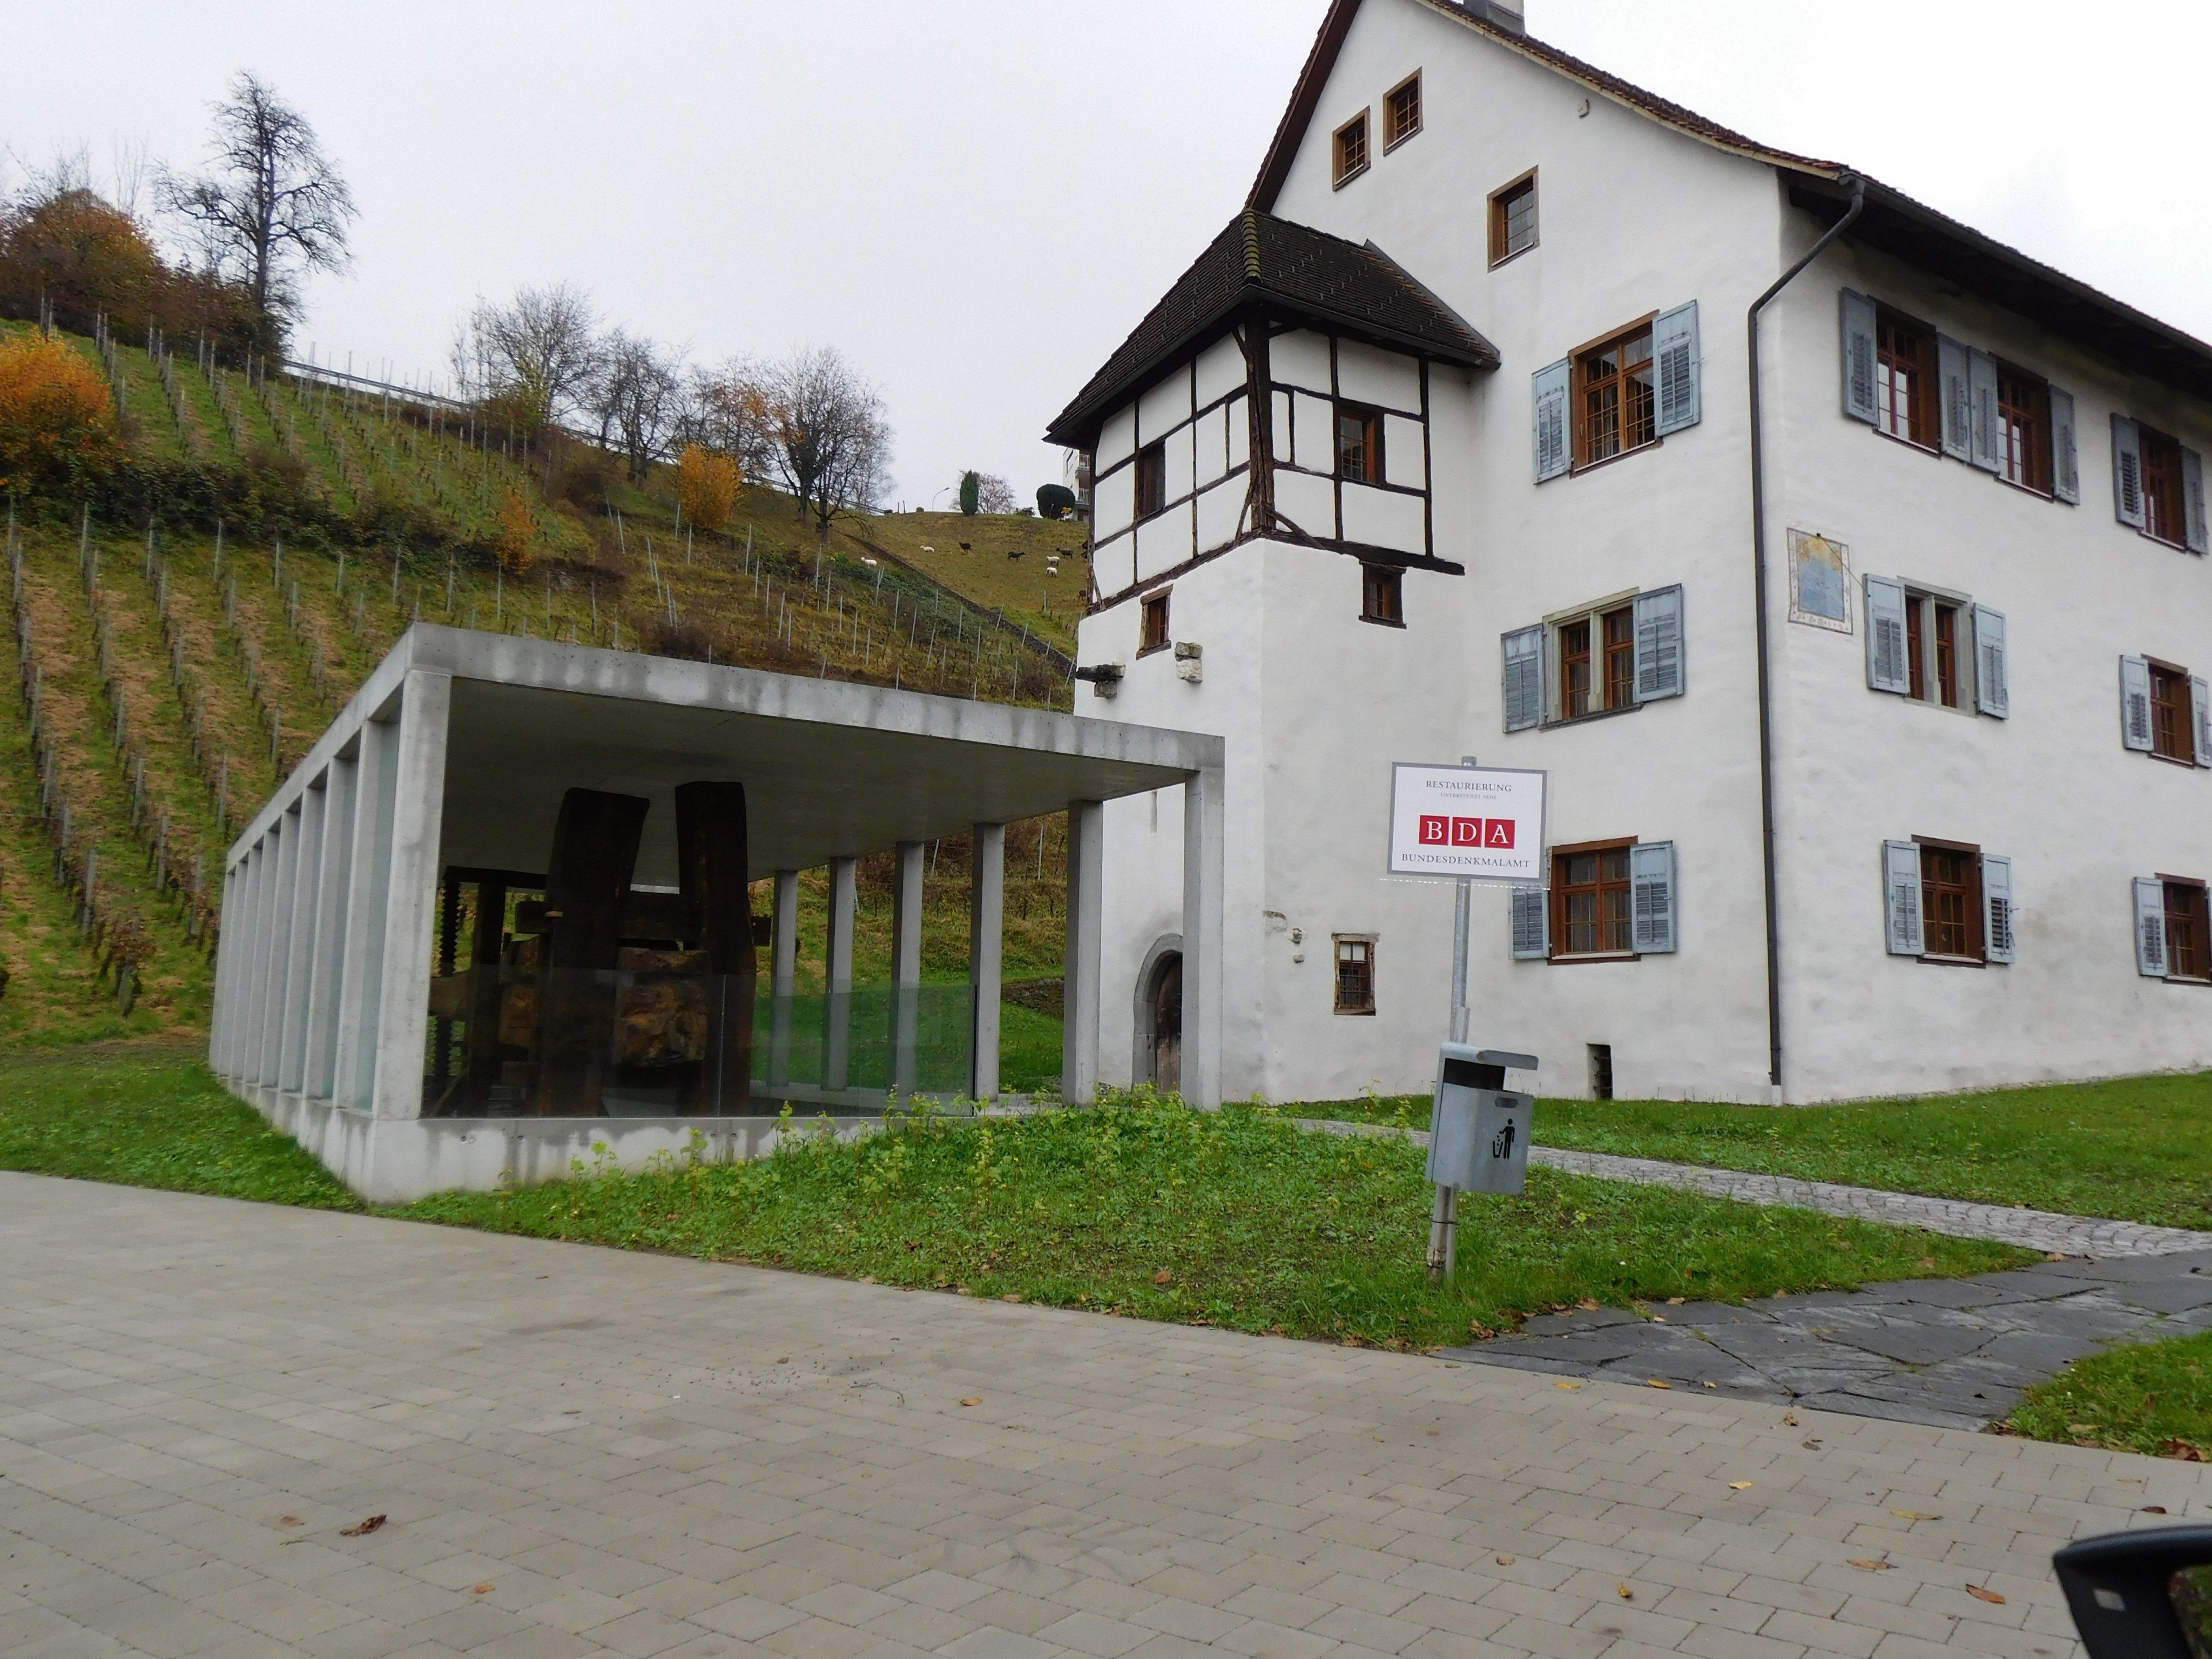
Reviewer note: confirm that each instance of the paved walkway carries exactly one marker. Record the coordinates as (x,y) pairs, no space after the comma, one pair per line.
(2031,1229)
(578,1450)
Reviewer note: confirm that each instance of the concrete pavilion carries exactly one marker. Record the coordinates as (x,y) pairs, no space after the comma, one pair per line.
(602,813)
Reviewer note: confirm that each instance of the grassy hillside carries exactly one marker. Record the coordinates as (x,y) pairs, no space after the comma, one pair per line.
(171,672)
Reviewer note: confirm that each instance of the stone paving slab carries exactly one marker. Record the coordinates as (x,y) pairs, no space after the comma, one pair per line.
(2087,1237)
(584,1451)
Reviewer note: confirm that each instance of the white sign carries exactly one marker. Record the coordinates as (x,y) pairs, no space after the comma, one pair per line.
(1485,822)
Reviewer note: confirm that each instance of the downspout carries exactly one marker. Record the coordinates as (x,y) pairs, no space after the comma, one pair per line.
(1759,597)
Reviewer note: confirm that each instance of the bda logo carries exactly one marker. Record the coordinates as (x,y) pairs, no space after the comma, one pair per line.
(1440,830)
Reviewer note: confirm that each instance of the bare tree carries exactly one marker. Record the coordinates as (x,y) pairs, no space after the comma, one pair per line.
(722,412)
(636,395)
(538,354)
(823,430)
(270,205)
(993,493)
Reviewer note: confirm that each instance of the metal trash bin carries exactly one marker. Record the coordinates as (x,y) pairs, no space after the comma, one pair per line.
(1478,1130)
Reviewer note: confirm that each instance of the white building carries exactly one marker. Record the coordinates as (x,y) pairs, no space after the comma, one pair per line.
(1877,745)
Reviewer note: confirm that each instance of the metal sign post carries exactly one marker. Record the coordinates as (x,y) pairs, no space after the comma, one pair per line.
(1470,825)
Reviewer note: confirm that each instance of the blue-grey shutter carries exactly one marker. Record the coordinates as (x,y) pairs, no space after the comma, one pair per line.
(1675,352)
(2134,704)
(1887,667)
(1859,402)
(1900,897)
(2192,498)
(2150,928)
(1659,644)
(1524,678)
(2065,461)
(1553,457)
(2200,700)
(1955,387)
(1989,446)
(1651,895)
(2127,472)
(1996,907)
(1992,685)
(1532,926)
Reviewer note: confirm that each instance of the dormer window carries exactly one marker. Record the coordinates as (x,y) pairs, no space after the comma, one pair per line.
(1401,112)
(1350,149)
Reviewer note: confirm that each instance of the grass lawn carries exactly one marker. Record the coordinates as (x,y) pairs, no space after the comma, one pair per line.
(2136,1150)
(2153,1397)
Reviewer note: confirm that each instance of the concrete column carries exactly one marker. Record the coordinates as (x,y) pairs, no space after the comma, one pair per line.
(906,966)
(783,977)
(277,944)
(368,881)
(1086,873)
(987,953)
(837,1014)
(1204,855)
(234,962)
(318,1067)
(299,965)
(410,914)
(219,1013)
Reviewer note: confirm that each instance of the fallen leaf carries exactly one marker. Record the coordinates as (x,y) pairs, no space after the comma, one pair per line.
(1676,1301)
(292,1521)
(480,1589)
(1914,1515)
(1789,1419)
(1987,1595)
(1624,1593)
(1739,1485)
(1870,1566)
(973,1400)
(2154,1509)
(870,1279)
(1813,1444)
(786,1360)
(2177,1447)
(1505,1560)
(1012,1296)
(2054,1255)
(1713,1386)
(2080,1428)
(1162,1277)
(1588,1304)
(1658,1319)
(1656,1384)
(1567,1385)
(368,1526)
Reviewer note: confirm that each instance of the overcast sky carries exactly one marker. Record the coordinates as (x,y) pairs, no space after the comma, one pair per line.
(976,199)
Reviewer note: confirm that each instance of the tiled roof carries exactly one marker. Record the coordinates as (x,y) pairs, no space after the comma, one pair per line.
(1261,264)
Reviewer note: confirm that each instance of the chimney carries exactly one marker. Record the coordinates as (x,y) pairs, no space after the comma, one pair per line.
(1507,15)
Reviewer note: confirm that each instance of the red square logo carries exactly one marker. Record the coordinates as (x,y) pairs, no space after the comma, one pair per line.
(1466,832)
(1500,833)
(1436,830)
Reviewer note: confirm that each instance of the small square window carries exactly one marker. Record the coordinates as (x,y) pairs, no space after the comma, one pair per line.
(1616,399)
(1513,219)
(1401,112)
(1351,150)
(1152,625)
(1152,479)
(1355,974)
(1358,444)
(1381,595)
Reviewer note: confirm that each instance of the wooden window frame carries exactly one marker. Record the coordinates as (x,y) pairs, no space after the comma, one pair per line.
(1501,203)
(2024,457)
(1942,674)
(1372,468)
(1975,920)
(1393,133)
(1337,964)
(1150,485)
(2182,704)
(1556,900)
(1597,656)
(1383,595)
(1924,415)
(1152,609)
(2164,510)
(1342,172)
(2196,912)
(1583,384)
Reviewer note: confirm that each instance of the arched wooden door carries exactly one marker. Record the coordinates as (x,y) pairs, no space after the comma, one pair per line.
(1167,1025)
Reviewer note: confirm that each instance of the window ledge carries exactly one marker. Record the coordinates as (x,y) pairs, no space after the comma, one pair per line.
(1505,260)
(2027,489)
(1383,621)
(2179,547)
(1585,719)
(1580,467)
(2185,979)
(1355,1013)
(2189,761)
(1912,444)
(1562,960)
(1153,650)
(1356,172)
(1935,961)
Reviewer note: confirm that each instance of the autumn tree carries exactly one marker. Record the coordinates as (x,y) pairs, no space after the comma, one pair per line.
(707,485)
(270,205)
(81,251)
(636,391)
(515,540)
(57,427)
(821,430)
(535,358)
